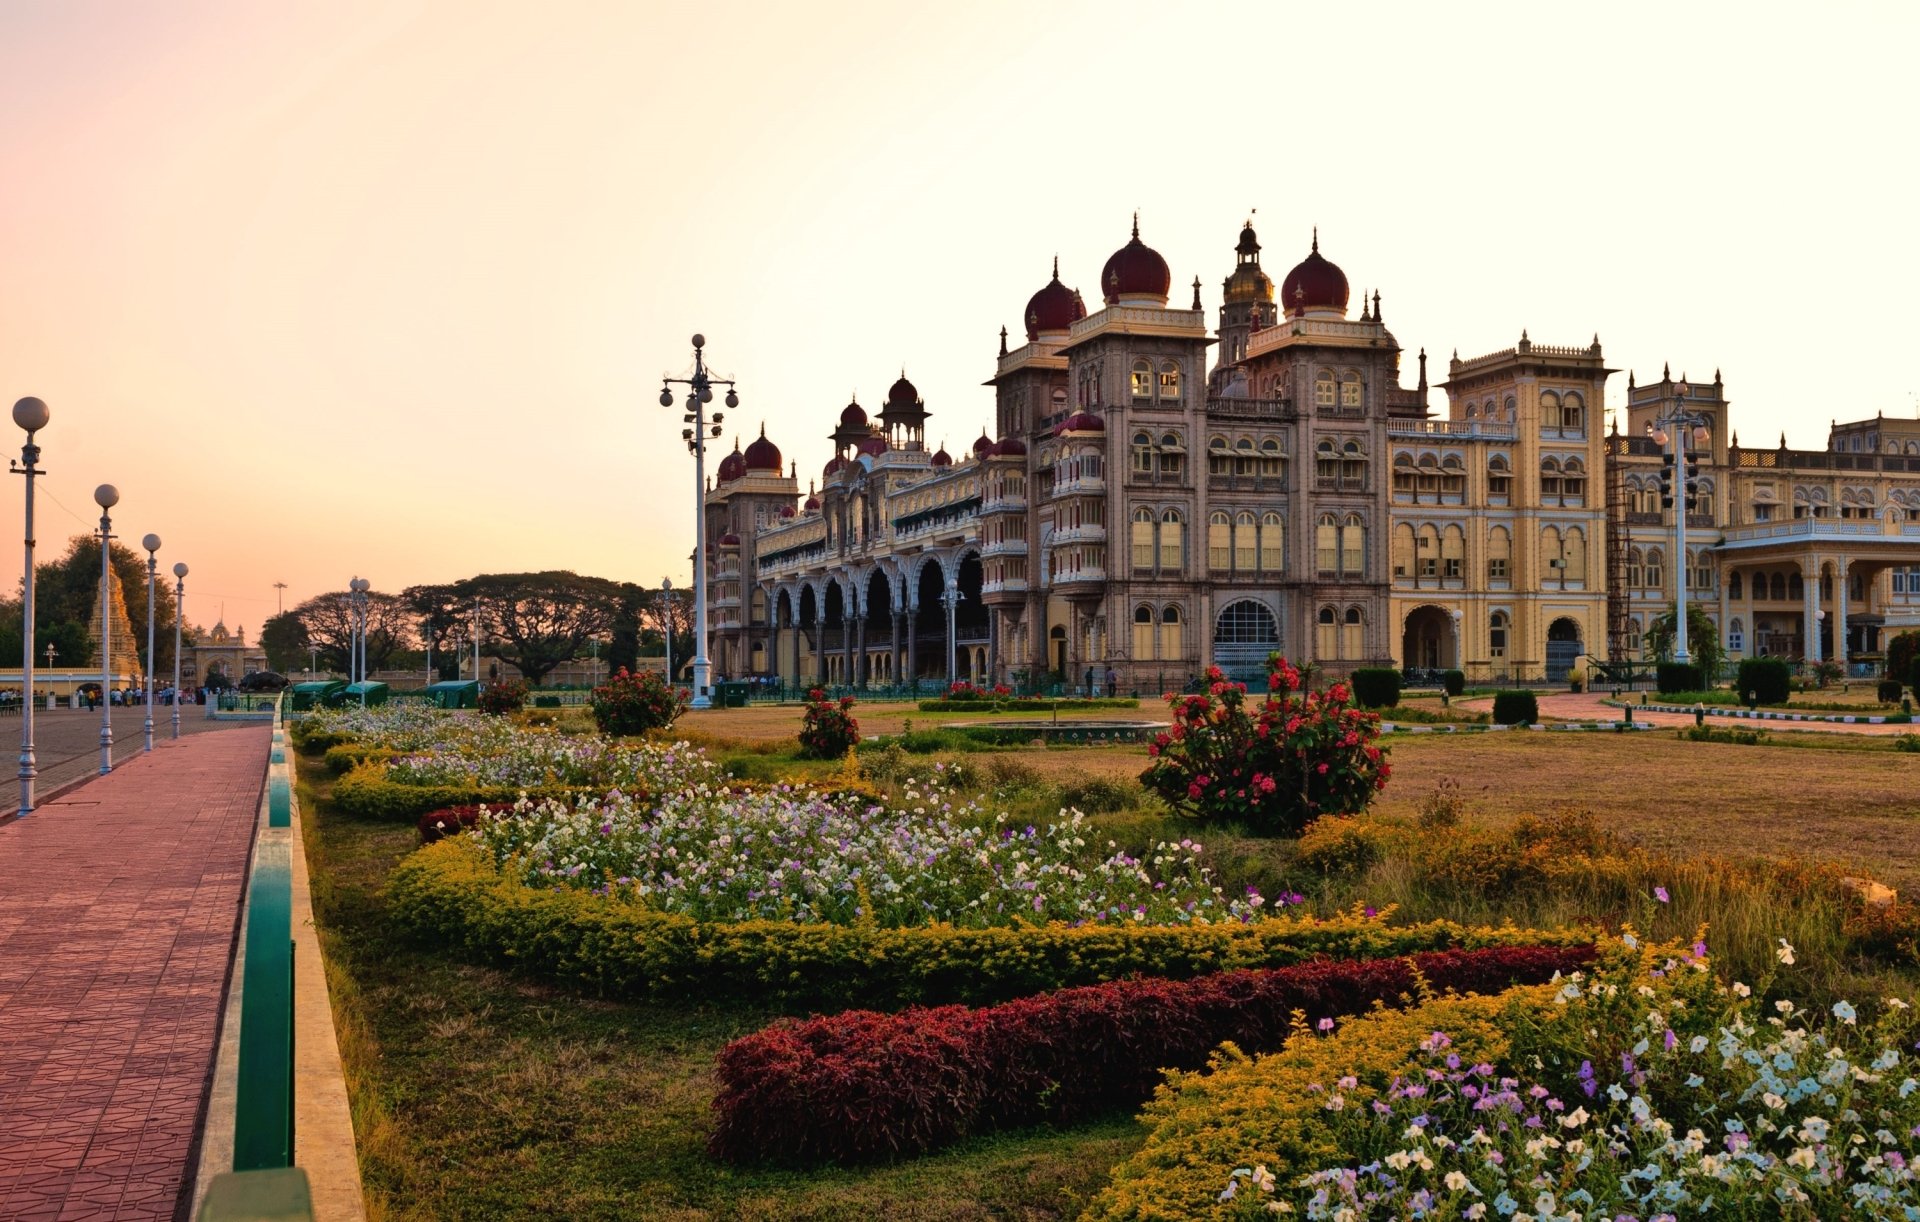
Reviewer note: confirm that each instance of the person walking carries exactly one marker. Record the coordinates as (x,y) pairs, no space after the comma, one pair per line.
(1113,682)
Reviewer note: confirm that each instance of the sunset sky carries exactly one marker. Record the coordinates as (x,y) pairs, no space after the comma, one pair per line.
(386,289)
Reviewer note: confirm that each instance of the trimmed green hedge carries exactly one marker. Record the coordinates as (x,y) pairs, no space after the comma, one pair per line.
(309,738)
(1770,678)
(1026,706)
(1376,687)
(1515,709)
(350,755)
(1674,677)
(451,895)
(368,793)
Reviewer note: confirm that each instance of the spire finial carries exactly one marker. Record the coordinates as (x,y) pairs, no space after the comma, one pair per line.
(763,428)
(1056,267)
(1376,305)
(1316,239)
(1196,293)
(1364,316)
(1666,372)
(1136,224)
(1003,340)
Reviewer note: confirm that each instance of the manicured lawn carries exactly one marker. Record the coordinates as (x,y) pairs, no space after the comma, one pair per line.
(481,1096)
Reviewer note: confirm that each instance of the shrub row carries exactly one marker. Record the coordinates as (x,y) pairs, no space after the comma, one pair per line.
(350,755)
(1672,677)
(989,705)
(452,894)
(367,793)
(1517,708)
(1376,687)
(1771,679)
(862,1087)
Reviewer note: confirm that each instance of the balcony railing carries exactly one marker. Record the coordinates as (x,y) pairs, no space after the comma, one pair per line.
(1004,547)
(1008,585)
(1089,533)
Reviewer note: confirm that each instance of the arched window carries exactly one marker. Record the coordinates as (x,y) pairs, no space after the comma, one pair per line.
(1169,380)
(1497,635)
(1499,555)
(1142,453)
(1173,455)
(1173,543)
(1499,479)
(1428,550)
(1246,543)
(1326,461)
(1143,538)
(1508,414)
(1326,544)
(1350,391)
(1796,587)
(1549,409)
(1573,413)
(1353,546)
(1143,633)
(1453,479)
(1326,636)
(1549,481)
(1736,588)
(1219,542)
(1353,635)
(1142,379)
(1273,461)
(1552,563)
(1323,391)
(1453,554)
(1219,460)
(1403,551)
(1575,549)
(1243,462)
(1573,483)
(1656,569)
(758,605)
(1171,643)
(1403,476)
(1273,543)
(1353,464)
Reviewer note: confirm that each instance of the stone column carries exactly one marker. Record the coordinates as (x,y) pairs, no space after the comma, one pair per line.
(893,662)
(1810,608)
(1840,612)
(1726,604)
(860,652)
(913,665)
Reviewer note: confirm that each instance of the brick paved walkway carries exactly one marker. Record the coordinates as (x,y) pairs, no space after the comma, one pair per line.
(119,904)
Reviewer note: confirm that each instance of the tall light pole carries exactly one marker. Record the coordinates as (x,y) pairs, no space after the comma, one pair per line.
(32,415)
(951,597)
(476,639)
(279,598)
(1683,423)
(152,544)
(179,614)
(106,496)
(666,622)
(357,630)
(699,394)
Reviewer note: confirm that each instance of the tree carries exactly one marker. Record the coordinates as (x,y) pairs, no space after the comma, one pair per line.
(67,591)
(623,645)
(670,611)
(536,621)
(1703,641)
(327,621)
(284,638)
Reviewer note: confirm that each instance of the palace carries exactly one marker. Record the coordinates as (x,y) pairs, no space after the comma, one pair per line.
(1141,510)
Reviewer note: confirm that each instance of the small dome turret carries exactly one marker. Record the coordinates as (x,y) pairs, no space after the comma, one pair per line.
(1135,274)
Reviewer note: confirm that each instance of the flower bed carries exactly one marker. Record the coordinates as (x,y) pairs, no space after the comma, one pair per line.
(860,1086)
(1025,704)
(454,894)
(787,853)
(1648,1090)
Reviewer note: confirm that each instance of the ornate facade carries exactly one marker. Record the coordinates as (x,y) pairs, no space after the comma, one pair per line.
(1149,507)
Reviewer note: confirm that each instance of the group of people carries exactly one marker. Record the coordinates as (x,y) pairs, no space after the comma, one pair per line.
(89,697)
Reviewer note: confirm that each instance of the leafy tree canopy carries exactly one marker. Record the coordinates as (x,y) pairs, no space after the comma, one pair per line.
(536,621)
(1703,640)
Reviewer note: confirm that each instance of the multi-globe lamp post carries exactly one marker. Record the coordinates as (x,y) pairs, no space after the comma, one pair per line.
(357,631)
(666,622)
(1684,423)
(152,544)
(179,614)
(106,496)
(699,394)
(31,415)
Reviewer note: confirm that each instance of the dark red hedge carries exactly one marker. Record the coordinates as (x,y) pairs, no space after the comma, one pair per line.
(447,821)
(863,1086)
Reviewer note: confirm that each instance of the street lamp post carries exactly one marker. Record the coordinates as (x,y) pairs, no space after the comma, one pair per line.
(106,496)
(951,597)
(32,415)
(666,622)
(699,394)
(179,614)
(357,667)
(152,544)
(1683,423)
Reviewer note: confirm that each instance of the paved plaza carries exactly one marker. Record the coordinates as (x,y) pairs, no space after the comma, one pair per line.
(119,903)
(66,743)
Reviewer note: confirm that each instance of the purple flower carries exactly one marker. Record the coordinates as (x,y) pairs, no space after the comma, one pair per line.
(1660,893)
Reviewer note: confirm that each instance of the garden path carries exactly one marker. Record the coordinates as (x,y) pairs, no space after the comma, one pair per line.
(119,904)
(1593,706)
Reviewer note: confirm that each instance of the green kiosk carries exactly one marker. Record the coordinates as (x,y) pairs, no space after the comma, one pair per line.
(462,694)
(316,694)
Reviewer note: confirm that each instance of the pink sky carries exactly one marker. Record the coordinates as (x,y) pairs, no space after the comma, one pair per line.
(386,289)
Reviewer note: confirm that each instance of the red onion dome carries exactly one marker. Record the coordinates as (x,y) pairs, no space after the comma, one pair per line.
(729,540)
(984,446)
(1010,447)
(813,503)
(941,458)
(853,416)
(1314,284)
(787,511)
(833,464)
(902,394)
(1081,422)
(734,465)
(1136,272)
(1054,308)
(763,455)
(875,446)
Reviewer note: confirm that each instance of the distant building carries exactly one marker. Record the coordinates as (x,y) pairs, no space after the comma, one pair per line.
(220,652)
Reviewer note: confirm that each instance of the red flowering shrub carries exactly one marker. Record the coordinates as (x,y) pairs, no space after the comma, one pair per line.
(631,703)
(506,696)
(447,821)
(963,690)
(828,729)
(862,1087)
(1275,766)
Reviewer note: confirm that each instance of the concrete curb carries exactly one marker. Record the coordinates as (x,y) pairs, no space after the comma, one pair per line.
(1844,719)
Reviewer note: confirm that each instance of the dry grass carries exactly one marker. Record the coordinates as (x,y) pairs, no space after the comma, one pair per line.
(764,723)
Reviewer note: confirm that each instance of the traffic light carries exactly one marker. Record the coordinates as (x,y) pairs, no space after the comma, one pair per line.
(1666,480)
